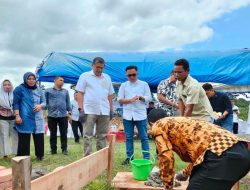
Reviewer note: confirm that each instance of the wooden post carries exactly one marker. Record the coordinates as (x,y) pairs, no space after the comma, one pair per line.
(21,168)
(236,186)
(111,157)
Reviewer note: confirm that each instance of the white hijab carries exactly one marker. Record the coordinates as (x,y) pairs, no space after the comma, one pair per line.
(6,98)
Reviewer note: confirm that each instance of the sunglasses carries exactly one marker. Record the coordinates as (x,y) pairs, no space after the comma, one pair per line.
(132,75)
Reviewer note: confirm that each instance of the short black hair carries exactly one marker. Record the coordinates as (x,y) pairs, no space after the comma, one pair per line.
(57,77)
(98,60)
(131,67)
(182,62)
(156,114)
(207,87)
(151,102)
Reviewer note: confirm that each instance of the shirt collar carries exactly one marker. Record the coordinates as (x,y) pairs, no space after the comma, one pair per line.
(57,89)
(133,83)
(187,81)
(93,74)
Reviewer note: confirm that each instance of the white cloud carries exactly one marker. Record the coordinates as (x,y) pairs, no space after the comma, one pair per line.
(30,30)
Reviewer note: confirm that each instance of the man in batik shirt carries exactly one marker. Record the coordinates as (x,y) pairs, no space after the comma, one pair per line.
(217,158)
(166,94)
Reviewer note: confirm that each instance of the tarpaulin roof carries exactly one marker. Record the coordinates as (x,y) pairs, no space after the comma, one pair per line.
(227,67)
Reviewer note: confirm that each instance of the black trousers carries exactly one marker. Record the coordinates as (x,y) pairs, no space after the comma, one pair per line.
(221,172)
(23,148)
(235,128)
(62,122)
(75,125)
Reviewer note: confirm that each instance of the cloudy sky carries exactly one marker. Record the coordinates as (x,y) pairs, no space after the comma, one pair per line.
(29,30)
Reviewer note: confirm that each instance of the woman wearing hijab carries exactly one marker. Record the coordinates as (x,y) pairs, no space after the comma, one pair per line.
(8,136)
(28,103)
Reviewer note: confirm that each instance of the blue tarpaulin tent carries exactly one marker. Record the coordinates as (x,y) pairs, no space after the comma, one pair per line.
(227,67)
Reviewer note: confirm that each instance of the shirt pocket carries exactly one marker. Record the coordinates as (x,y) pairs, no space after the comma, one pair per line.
(104,83)
(139,91)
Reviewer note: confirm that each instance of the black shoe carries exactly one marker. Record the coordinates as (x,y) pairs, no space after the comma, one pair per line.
(39,158)
(65,152)
(53,152)
(126,161)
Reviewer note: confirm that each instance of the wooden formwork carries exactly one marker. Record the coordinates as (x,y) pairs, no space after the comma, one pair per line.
(71,177)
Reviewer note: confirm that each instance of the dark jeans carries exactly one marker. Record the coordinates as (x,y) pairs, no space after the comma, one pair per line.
(226,123)
(75,125)
(141,125)
(63,128)
(24,144)
(235,128)
(221,172)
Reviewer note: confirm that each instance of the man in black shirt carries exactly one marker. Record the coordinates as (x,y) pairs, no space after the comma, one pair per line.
(220,103)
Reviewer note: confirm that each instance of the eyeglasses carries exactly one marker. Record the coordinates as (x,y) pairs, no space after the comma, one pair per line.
(131,75)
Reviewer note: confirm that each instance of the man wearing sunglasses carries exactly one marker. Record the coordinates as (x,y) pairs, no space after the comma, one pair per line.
(134,95)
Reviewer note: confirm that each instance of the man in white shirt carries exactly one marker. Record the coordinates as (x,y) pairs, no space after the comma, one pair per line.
(95,100)
(134,95)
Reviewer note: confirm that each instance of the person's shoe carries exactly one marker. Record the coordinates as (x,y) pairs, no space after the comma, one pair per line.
(126,161)
(53,152)
(39,158)
(65,152)
(77,142)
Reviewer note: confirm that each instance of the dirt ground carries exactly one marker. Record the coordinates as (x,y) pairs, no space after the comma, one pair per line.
(246,182)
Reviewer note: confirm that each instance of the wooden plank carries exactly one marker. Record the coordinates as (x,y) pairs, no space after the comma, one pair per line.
(124,180)
(76,175)
(21,168)
(5,175)
(111,157)
(6,185)
(236,186)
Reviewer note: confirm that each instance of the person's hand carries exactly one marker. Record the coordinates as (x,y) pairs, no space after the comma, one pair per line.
(221,117)
(181,177)
(134,99)
(18,120)
(37,108)
(69,118)
(141,98)
(80,109)
(175,106)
